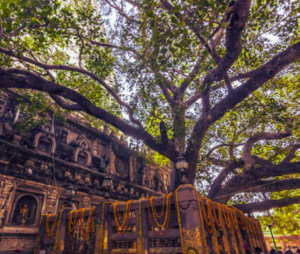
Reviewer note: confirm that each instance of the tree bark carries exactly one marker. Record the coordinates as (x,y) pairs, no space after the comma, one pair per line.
(267,205)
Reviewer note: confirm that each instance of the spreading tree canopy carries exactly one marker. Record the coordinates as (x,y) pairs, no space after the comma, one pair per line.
(211,80)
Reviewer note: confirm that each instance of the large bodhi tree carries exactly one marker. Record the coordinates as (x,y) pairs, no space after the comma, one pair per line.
(211,80)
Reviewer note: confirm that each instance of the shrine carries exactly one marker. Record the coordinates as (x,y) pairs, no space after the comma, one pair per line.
(179,222)
(37,167)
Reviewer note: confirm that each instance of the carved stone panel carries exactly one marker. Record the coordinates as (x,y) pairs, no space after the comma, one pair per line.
(121,166)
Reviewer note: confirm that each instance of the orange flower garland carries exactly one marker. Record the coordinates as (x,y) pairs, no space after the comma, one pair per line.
(72,224)
(207,219)
(166,222)
(219,207)
(121,229)
(49,233)
(227,217)
(153,207)
(86,230)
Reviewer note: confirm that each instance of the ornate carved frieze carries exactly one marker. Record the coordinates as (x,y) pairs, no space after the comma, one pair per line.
(19,230)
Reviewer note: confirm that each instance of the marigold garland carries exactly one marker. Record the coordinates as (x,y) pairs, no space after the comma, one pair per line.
(207,219)
(49,233)
(72,224)
(166,222)
(222,216)
(235,222)
(117,215)
(225,237)
(86,230)
(124,229)
(179,219)
(233,234)
(154,214)
(153,207)
(227,217)
(57,234)
(121,229)
(219,208)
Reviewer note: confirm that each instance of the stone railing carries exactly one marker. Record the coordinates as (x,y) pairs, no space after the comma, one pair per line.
(180,222)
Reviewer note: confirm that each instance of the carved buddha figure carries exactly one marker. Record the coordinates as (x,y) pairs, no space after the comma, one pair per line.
(24,213)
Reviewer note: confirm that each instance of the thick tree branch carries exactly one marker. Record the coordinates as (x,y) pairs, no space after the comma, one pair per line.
(272,186)
(79,70)
(253,175)
(262,162)
(246,75)
(265,73)
(11,79)
(217,183)
(267,205)
(238,19)
(163,132)
(292,154)
(247,157)
(229,168)
(66,105)
(233,47)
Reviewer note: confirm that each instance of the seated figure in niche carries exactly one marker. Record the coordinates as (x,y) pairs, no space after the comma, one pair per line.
(24,213)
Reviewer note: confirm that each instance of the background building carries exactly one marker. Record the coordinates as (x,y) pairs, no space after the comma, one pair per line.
(36,166)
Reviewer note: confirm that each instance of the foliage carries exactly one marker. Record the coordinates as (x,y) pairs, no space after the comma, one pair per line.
(286,220)
(212,80)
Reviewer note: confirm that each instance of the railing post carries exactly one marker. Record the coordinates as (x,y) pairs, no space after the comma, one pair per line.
(65,240)
(190,225)
(101,214)
(142,227)
(39,244)
(61,233)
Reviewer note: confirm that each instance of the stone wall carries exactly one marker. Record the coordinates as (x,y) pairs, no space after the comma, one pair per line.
(36,166)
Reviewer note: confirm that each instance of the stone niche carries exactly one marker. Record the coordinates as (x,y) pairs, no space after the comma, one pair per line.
(21,225)
(121,167)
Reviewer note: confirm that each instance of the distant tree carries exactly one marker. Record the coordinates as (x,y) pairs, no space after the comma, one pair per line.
(216,82)
(285,220)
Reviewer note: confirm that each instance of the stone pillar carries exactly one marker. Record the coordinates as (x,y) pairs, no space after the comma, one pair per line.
(6,187)
(51,202)
(190,224)
(62,234)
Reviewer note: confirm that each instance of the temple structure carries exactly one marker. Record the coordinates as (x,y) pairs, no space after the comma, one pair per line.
(37,166)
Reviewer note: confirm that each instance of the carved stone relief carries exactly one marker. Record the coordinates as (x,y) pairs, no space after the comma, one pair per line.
(45,141)
(121,166)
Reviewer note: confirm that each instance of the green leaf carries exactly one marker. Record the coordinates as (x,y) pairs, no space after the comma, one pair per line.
(225,24)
